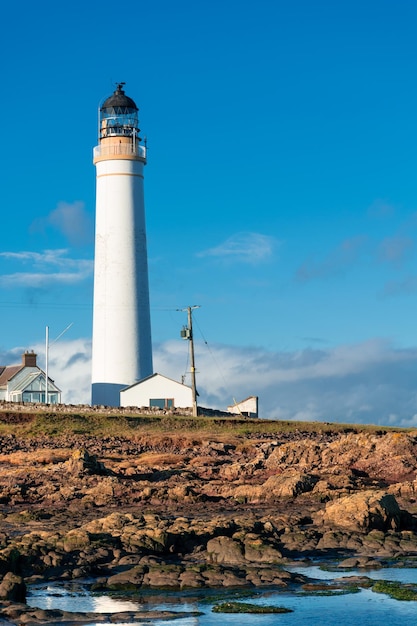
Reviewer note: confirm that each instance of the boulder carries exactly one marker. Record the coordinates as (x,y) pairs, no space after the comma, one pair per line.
(257,551)
(81,462)
(289,484)
(130,578)
(364,511)
(75,540)
(13,588)
(225,550)
(163,576)
(191,578)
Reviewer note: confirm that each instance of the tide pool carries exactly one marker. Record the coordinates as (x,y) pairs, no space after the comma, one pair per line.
(365,608)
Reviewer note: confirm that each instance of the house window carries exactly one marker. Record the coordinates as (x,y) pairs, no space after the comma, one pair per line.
(39,396)
(162,403)
(33,396)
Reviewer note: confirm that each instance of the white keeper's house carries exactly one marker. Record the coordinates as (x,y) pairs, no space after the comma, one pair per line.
(157,391)
(27,382)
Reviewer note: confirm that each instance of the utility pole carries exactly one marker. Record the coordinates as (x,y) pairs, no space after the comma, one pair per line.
(187,333)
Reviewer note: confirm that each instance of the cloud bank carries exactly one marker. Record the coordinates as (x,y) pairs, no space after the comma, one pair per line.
(371,382)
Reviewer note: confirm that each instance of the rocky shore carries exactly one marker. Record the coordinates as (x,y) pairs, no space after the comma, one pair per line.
(186,510)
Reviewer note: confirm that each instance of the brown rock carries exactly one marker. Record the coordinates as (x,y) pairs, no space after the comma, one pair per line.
(163,576)
(76,539)
(363,511)
(225,550)
(131,577)
(257,551)
(289,484)
(82,462)
(12,588)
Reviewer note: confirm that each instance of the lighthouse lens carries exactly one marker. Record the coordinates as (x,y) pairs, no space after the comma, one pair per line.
(119,121)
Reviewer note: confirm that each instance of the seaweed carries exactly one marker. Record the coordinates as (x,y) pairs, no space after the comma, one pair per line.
(245,607)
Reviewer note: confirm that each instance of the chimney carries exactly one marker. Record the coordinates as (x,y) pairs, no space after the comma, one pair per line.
(29,359)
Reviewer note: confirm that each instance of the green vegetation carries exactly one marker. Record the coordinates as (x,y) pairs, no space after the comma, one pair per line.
(397,591)
(245,607)
(330,590)
(128,424)
(334,589)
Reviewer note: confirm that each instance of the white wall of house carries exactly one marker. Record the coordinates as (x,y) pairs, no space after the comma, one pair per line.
(249,406)
(157,390)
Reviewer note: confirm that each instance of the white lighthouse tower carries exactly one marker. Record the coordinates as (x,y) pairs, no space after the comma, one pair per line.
(122,348)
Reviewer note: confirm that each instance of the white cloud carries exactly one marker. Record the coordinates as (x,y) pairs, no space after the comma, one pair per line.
(47,257)
(371,382)
(69,365)
(42,262)
(243,247)
(41,280)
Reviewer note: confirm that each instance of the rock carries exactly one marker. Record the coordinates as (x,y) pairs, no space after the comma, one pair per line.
(76,539)
(363,511)
(290,484)
(13,588)
(359,562)
(103,493)
(130,578)
(266,576)
(225,550)
(82,462)
(191,508)
(191,578)
(163,576)
(257,551)
(332,540)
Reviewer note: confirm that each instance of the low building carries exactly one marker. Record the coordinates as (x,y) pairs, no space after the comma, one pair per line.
(247,407)
(27,382)
(157,391)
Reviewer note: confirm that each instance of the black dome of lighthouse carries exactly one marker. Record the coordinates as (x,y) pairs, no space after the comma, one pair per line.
(119,117)
(119,100)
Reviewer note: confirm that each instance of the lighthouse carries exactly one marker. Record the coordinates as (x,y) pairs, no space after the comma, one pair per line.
(122,347)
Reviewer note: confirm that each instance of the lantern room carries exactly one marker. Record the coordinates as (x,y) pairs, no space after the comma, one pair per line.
(119,128)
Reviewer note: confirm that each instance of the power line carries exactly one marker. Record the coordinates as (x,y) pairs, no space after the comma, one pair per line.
(220,372)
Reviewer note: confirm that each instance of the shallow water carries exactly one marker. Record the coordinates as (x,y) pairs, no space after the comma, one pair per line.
(365,608)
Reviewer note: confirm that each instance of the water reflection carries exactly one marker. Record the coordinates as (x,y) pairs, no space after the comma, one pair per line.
(365,608)
(77,598)
(399,574)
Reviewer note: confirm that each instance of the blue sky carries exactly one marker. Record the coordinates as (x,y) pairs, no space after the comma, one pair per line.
(280,191)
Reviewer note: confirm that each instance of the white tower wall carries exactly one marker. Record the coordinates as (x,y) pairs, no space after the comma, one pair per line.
(122,349)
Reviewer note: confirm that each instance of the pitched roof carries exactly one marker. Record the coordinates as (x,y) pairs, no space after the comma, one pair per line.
(6,373)
(139,382)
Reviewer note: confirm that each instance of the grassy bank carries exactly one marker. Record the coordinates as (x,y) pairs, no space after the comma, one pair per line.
(32,424)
